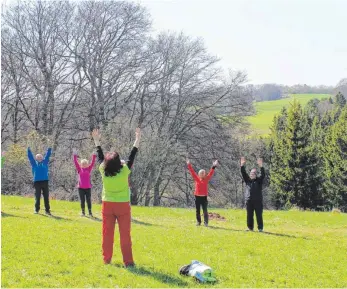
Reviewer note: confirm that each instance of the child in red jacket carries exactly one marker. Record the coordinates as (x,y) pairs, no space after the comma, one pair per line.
(201,190)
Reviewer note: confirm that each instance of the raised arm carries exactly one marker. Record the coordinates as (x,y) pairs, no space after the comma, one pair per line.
(77,165)
(262,170)
(262,174)
(48,154)
(93,162)
(131,159)
(31,157)
(137,137)
(245,176)
(96,136)
(211,172)
(134,149)
(192,172)
(100,153)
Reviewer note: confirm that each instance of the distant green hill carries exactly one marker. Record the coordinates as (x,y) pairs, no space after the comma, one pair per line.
(266,110)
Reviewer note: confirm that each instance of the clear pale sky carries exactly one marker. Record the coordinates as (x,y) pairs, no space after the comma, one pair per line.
(274,41)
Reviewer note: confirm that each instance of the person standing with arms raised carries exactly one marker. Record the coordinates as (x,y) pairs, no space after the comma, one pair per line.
(116,200)
(201,190)
(84,171)
(40,167)
(253,194)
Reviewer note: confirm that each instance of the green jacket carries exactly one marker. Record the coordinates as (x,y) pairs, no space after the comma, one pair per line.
(116,188)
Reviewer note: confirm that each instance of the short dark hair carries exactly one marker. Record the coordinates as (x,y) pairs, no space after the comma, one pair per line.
(112,164)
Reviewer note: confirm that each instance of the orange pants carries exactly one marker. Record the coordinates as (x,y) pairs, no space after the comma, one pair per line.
(121,212)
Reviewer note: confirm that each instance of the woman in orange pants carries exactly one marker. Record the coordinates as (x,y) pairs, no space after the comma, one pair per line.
(116,200)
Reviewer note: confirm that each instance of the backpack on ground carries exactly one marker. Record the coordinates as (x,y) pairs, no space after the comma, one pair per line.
(199,271)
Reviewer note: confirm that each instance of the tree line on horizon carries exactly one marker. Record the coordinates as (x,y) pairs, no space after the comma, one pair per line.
(272,91)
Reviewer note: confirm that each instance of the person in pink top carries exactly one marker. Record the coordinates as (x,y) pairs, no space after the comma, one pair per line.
(84,186)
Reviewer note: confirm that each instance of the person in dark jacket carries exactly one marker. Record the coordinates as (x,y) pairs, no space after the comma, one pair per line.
(39,166)
(253,194)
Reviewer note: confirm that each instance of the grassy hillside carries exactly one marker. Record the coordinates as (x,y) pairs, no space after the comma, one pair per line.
(266,110)
(300,249)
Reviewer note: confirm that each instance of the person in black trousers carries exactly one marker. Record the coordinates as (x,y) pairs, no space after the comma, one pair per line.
(253,194)
(84,171)
(201,190)
(40,169)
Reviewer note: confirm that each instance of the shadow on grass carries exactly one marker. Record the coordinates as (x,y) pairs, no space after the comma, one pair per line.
(225,229)
(159,276)
(4,215)
(96,219)
(142,223)
(267,233)
(284,235)
(54,217)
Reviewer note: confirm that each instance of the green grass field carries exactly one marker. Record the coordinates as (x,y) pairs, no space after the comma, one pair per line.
(266,110)
(298,249)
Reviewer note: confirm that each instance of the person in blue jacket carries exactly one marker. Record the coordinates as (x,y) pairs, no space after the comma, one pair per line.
(40,166)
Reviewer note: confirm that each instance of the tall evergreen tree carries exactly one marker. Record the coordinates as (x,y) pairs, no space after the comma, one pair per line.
(311,110)
(294,174)
(335,162)
(313,197)
(340,100)
(296,160)
(277,148)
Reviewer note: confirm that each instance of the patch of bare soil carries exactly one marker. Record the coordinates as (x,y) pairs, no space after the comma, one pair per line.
(216,216)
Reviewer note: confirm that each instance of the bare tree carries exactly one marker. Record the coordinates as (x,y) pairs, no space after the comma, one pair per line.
(71,66)
(106,41)
(35,30)
(187,91)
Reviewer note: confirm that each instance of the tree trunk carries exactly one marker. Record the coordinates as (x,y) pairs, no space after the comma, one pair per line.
(134,194)
(148,188)
(157,198)
(51,108)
